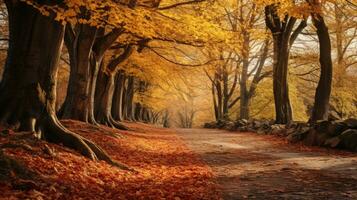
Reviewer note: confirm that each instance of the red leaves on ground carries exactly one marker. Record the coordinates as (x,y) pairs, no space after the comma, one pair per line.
(165,168)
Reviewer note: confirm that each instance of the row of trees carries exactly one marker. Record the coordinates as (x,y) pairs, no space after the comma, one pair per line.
(123,59)
(99,38)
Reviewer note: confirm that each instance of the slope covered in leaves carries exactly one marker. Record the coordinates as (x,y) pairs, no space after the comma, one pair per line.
(164,167)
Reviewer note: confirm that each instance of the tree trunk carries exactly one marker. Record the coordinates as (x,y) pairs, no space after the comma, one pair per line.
(104,100)
(129,97)
(117,111)
(79,45)
(280,79)
(138,112)
(28,89)
(215,106)
(244,96)
(283,39)
(219,99)
(323,90)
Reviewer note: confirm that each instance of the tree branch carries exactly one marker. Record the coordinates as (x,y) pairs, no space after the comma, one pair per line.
(180,4)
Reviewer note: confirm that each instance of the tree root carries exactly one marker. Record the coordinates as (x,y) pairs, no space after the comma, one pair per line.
(16,145)
(119,125)
(55,132)
(109,121)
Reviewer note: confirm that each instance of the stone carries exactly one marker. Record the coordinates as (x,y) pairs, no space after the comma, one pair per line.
(321,139)
(298,135)
(332,142)
(210,125)
(257,124)
(262,131)
(277,129)
(311,137)
(243,129)
(335,128)
(351,123)
(230,126)
(241,123)
(221,123)
(349,139)
(293,138)
(322,126)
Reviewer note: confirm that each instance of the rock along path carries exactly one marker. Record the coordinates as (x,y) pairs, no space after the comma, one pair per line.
(252,166)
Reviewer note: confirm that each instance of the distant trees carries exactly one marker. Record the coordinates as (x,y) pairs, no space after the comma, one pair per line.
(239,70)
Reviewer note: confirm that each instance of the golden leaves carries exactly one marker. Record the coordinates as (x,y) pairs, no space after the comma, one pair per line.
(165,167)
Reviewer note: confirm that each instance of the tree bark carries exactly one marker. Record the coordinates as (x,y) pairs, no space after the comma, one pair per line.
(79,45)
(104,100)
(138,112)
(283,38)
(87,46)
(244,96)
(129,97)
(283,109)
(117,111)
(323,90)
(28,89)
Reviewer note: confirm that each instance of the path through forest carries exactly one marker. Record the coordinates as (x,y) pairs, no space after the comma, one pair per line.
(253,166)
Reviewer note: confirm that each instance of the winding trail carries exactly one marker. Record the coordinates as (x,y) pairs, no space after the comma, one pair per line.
(252,166)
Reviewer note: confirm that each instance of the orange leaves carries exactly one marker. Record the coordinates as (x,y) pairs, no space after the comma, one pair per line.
(166,168)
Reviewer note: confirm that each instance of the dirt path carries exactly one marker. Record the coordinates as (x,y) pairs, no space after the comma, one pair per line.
(251,166)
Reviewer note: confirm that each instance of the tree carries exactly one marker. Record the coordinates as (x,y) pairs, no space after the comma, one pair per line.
(28,87)
(86,46)
(284,36)
(105,88)
(323,90)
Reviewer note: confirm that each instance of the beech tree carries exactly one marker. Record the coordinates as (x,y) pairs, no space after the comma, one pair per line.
(284,36)
(35,43)
(37,30)
(323,90)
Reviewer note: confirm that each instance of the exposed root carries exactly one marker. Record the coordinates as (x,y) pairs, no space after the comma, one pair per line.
(17,145)
(106,132)
(102,155)
(92,121)
(110,122)
(119,125)
(59,134)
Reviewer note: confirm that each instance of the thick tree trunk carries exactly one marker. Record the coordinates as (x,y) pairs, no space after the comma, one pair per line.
(323,90)
(28,89)
(104,100)
(283,109)
(283,38)
(79,45)
(88,46)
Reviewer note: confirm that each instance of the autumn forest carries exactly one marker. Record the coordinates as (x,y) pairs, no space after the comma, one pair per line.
(178,99)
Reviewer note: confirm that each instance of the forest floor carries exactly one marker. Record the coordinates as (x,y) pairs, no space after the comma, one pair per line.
(179,164)
(165,168)
(252,166)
